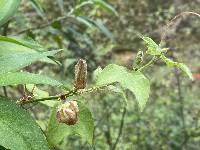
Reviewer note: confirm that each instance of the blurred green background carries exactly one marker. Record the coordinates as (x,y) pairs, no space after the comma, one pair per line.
(170,120)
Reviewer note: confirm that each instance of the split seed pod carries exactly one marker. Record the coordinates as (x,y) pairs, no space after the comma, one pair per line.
(68,113)
(80,74)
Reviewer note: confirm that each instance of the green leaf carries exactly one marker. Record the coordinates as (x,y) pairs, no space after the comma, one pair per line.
(7,48)
(96,73)
(8,9)
(134,81)
(181,66)
(37,6)
(84,21)
(26,42)
(26,78)
(84,127)
(18,130)
(153,48)
(185,69)
(38,93)
(105,6)
(99,24)
(61,5)
(15,62)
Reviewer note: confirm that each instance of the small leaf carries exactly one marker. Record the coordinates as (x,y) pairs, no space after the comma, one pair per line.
(185,69)
(134,81)
(153,48)
(15,62)
(8,9)
(97,72)
(38,93)
(138,60)
(18,130)
(181,66)
(26,78)
(84,127)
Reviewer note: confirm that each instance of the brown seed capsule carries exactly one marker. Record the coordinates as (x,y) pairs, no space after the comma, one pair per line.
(68,113)
(80,74)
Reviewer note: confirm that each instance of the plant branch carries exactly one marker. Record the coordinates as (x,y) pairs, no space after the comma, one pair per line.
(151,62)
(44,25)
(170,23)
(64,96)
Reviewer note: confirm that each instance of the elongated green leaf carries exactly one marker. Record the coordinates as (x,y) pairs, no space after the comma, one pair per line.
(37,6)
(26,42)
(14,62)
(8,9)
(18,130)
(84,127)
(61,5)
(153,48)
(105,6)
(100,3)
(99,24)
(181,66)
(7,48)
(26,78)
(134,81)
(84,21)
(83,3)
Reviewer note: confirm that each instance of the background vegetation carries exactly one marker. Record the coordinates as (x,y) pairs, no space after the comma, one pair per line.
(104,32)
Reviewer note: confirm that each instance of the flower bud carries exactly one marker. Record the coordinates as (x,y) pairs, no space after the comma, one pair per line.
(80,74)
(68,113)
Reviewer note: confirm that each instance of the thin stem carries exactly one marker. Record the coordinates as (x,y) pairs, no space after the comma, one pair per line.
(44,25)
(173,20)
(181,101)
(152,61)
(68,94)
(120,128)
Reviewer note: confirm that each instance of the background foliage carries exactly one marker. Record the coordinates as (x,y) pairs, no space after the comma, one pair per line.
(101,32)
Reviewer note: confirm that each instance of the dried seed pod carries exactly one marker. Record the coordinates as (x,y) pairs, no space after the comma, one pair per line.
(68,113)
(80,74)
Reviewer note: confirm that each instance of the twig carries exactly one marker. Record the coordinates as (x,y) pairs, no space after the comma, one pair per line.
(173,20)
(44,25)
(120,129)
(151,62)
(64,96)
